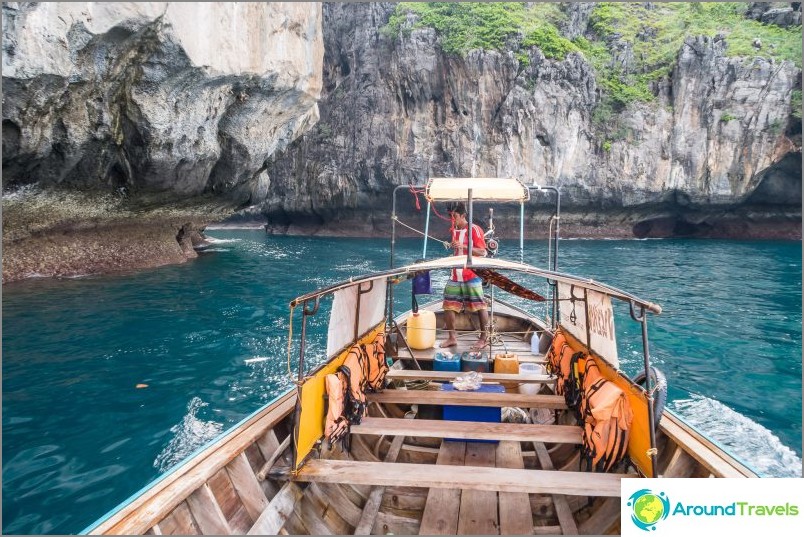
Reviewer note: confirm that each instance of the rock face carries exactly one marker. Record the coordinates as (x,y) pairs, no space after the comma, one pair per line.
(395,111)
(142,115)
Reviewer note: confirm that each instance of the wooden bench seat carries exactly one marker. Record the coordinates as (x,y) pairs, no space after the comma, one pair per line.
(434,397)
(413,374)
(429,355)
(524,432)
(471,477)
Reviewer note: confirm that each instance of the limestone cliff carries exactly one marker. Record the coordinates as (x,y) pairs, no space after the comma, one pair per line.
(716,152)
(128,126)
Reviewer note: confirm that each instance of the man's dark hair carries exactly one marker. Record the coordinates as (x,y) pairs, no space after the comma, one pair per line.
(458,207)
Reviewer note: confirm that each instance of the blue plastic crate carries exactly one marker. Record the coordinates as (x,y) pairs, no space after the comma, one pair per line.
(489,414)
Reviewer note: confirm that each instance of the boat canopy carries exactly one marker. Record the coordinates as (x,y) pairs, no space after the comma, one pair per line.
(483,189)
(460,261)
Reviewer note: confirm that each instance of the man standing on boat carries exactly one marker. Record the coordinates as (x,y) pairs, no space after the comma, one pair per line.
(465,288)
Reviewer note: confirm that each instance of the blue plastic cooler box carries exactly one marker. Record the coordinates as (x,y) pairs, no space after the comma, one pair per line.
(442,363)
(489,414)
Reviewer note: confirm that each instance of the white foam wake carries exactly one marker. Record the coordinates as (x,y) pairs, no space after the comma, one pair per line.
(213,240)
(188,435)
(747,440)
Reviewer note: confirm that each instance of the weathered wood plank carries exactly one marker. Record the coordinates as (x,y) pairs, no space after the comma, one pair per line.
(272,458)
(440,516)
(516,517)
(432,397)
(279,509)
(604,518)
(478,513)
(207,513)
(565,517)
(494,479)
(570,434)
(375,496)
(547,530)
(247,486)
(179,522)
(312,517)
(428,355)
(229,502)
(411,374)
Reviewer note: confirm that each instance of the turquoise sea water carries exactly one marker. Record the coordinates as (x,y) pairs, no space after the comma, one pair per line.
(208,338)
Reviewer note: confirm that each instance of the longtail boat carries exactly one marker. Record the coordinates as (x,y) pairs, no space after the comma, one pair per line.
(400,448)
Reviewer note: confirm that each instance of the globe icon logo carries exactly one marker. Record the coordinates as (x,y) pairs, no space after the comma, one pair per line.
(648,508)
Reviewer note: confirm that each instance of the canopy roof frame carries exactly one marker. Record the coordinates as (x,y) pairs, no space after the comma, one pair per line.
(460,261)
(483,189)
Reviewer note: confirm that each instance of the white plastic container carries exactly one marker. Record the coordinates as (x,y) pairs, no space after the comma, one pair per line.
(422,330)
(531,369)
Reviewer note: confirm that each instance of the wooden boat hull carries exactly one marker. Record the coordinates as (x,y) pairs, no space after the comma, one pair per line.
(410,476)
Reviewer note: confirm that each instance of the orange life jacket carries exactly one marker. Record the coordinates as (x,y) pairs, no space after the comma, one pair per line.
(607,417)
(336,426)
(355,369)
(554,354)
(566,365)
(377,367)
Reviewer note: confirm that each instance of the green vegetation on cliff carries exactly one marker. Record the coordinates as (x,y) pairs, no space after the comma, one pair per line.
(469,26)
(654,34)
(630,45)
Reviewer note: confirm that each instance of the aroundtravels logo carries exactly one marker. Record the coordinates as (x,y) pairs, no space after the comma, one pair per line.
(677,506)
(648,508)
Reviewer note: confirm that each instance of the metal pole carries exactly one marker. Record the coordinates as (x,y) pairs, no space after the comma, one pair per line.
(301,343)
(558,223)
(521,231)
(469,231)
(643,318)
(390,294)
(491,324)
(649,387)
(586,321)
(426,231)
(306,313)
(393,225)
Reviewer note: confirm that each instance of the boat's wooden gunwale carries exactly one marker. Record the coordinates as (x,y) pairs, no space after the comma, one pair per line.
(703,450)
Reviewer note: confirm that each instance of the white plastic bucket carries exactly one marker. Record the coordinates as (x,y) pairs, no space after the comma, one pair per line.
(531,369)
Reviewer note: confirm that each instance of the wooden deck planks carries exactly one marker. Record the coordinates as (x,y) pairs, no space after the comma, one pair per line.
(247,486)
(516,517)
(440,516)
(438,476)
(274,516)
(478,513)
(433,397)
(563,511)
(207,513)
(570,434)
(374,500)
